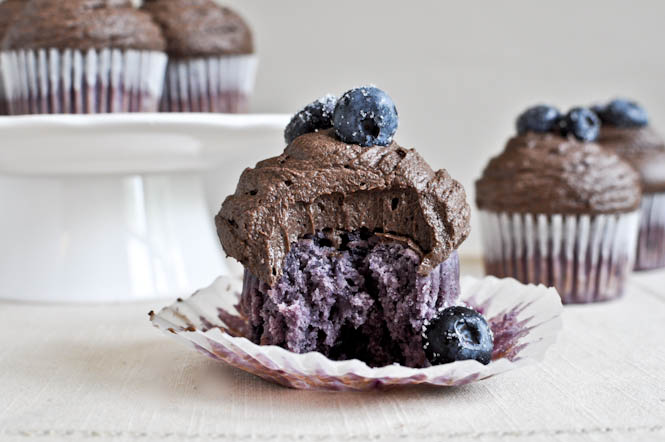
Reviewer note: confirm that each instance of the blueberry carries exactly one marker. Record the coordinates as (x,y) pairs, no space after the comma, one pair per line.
(582,123)
(598,109)
(539,118)
(458,333)
(366,116)
(624,113)
(315,116)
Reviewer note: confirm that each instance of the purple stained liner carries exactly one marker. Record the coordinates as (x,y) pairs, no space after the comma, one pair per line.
(651,240)
(586,258)
(212,84)
(364,301)
(48,81)
(4,104)
(524,321)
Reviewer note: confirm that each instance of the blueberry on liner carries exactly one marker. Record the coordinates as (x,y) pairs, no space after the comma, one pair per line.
(456,334)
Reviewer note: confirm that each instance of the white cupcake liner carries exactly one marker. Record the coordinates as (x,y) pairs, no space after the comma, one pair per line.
(53,81)
(586,258)
(4,104)
(651,241)
(212,84)
(525,320)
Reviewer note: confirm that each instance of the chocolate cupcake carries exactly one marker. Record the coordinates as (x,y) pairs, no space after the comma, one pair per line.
(348,239)
(83,57)
(9,10)
(626,131)
(558,209)
(212,65)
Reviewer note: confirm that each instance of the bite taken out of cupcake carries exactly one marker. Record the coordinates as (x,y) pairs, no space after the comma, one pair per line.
(627,132)
(349,242)
(558,209)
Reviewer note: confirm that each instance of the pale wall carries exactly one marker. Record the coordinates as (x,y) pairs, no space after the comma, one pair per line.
(460,71)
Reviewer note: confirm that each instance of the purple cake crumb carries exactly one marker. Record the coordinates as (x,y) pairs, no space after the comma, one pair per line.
(363,299)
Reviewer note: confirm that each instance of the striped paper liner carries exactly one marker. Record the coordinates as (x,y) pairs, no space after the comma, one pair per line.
(213,84)
(4,104)
(53,81)
(651,241)
(524,319)
(586,258)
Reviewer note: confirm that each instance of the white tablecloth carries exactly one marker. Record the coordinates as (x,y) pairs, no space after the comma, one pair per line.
(103,373)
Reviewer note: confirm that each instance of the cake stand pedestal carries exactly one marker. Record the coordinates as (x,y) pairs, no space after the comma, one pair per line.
(112,208)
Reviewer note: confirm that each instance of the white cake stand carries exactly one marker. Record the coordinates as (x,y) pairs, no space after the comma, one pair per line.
(109,208)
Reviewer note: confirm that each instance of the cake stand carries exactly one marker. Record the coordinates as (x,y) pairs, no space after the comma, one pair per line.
(119,207)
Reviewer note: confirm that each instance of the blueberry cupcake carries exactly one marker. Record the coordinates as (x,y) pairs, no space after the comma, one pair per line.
(558,209)
(9,10)
(349,242)
(211,56)
(83,57)
(626,131)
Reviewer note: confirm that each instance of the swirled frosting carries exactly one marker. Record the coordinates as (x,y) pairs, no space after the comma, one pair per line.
(200,28)
(9,10)
(643,148)
(322,184)
(551,174)
(83,24)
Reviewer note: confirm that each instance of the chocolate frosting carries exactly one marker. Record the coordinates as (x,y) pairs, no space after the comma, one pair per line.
(9,10)
(322,184)
(83,24)
(200,28)
(551,174)
(643,148)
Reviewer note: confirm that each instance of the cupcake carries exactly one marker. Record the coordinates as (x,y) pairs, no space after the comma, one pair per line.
(8,12)
(626,131)
(349,242)
(83,57)
(558,209)
(211,56)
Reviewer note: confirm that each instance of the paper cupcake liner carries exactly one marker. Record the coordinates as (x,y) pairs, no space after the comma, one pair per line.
(586,258)
(525,320)
(214,84)
(651,240)
(53,81)
(4,105)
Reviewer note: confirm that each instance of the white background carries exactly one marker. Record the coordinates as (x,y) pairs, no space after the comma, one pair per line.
(459,72)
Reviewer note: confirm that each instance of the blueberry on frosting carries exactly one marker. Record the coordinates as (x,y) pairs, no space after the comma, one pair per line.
(582,123)
(313,117)
(540,118)
(623,113)
(456,334)
(366,116)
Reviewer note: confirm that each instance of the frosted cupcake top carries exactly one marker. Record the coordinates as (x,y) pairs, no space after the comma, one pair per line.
(626,131)
(83,25)
(553,174)
(9,10)
(200,28)
(324,183)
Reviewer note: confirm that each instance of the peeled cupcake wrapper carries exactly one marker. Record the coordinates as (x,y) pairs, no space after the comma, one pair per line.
(82,82)
(525,320)
(651,241)
(212,84)
(586,258)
